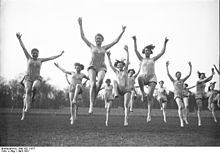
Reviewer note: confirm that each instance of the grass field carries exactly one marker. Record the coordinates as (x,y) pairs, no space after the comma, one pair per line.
(52,128)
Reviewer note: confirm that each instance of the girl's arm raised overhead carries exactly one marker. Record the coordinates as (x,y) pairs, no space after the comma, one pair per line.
(22,45)
(63,70)
(127,63)
(168,73)
(117,40)
(190,71)
(52,57)
(82,33)
(135,49)
(163,50)
(218,71)
(110,62)
(207,79)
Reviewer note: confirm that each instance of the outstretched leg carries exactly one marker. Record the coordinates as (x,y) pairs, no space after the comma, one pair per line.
(71,107)
(186,109)
(141,85)
(27,98)
(108,108)
(151,87)
(115,89)
(179,103)
(199,109)
(131,100)
(164,106)
(92,96)
(100,77)
(213,112)
(126,103)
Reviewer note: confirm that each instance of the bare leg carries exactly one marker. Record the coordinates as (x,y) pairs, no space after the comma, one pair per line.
(164,106)
(71,107)
(115,88)
(186,109)
(108,108)
(150,100)
(213,112)
(199,105)
(131,101)
(180,108)
(76,93)
(141,85)
(35,88)
(100,77)
(27,98)
(92,80)
(126,103)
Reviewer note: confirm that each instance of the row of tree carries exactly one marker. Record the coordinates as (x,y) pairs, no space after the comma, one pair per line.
(12,93)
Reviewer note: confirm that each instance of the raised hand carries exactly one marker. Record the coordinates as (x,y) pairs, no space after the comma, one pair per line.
(167,63)
(126,48)
(108,53)
(80,20)
(134,37)
(62,53)
(18,35)
(56,64)
(213,71)
(166,40)
(190,64)
(123,28)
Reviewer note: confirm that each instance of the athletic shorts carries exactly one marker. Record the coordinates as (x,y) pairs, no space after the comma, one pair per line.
(97,68)
(148,79)
(73,87)
(122,90)
(31,78)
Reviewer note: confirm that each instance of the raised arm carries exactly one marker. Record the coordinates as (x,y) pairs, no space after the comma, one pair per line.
(190,71)
(52,57)
(63,70)
(110,62)
(163,50)
(67,79)
(127,63)
(135,76)
(117,40)
(135,49)
(82,33)
(22,45)
(218,71)
(168,73)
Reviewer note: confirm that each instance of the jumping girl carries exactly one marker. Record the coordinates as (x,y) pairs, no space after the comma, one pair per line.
(108,98)
(148,77)
(75,88)
(97,67)
(131,81)
(200,92)
(178,92)
(32,79)
(161,95)
(121,87)
(213,100)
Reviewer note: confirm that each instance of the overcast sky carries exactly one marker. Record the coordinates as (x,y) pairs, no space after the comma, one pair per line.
(51,26)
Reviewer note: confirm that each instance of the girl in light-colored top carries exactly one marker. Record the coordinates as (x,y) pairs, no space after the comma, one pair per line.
(148,77)
(122,87)
(32,79)
(161,95)
(200,92)
(75,88)
(97,67)
(213,100)
(131,80)
(108,98)
(178,92)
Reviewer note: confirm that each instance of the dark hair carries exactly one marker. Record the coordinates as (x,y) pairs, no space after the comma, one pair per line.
(200,73)
(186,85)
(117,61)
(34,49)
(100,36)
(131,70)
(177,72)
(78,64)
(149,47)
(161,81)
(107,80)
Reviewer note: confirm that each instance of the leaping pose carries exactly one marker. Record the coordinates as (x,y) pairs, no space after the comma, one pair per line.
(178,92)
(97,67)
(122,87)
(75,88)
(213,100)
(131,80)
(32,79)
(148,77)
(200,92)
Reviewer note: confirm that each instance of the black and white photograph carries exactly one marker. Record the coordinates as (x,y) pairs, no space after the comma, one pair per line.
(122,74)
